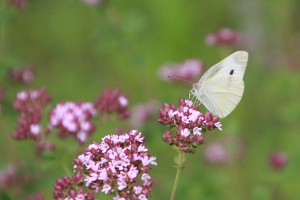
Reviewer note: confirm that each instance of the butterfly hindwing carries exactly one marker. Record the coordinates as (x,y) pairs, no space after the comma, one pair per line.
(221,94)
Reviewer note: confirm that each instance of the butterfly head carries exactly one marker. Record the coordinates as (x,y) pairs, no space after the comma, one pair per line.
(196,91)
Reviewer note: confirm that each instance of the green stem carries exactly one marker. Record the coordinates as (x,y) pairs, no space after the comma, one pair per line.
(179,169)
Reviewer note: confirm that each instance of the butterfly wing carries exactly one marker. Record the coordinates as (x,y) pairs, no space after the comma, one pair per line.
(235,65)
(221,94)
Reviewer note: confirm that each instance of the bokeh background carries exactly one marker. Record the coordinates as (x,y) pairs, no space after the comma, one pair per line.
(78,49)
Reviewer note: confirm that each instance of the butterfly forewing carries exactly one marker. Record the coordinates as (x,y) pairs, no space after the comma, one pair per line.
(234,65)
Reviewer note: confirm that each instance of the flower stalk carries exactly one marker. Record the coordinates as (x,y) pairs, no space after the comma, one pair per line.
(180,161)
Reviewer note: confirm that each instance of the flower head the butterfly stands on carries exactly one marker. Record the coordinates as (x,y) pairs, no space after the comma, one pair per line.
(119,165)
(112,101)
(189,124)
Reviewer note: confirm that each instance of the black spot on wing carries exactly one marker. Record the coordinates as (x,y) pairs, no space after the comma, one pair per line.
(231,72)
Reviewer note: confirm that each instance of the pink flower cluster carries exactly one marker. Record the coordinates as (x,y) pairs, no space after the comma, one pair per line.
(37,196)
(278,160)
(189,124)
(30,103)
(112,101)
(93,2)
(143,112)
(115,164)
(2,97)
(21,4)
(67,189)
(14,179)
(73,119)
(23,75)
(223,36)
(224,150)
(189,70)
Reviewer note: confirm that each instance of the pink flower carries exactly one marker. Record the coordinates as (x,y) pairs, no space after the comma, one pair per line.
(112,101)
(23,75)
(189,70)
(188,122)
(93,2)
(278,160)
(73,119)
(223,36)
(21,4)
(121,163)
(224,150)
(143,112)
(37,196)
(69,188)
(30,104)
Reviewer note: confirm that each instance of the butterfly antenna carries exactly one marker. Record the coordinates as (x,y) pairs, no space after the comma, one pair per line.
(180,79)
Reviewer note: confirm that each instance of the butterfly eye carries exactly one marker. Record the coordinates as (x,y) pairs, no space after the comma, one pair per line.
(196,87)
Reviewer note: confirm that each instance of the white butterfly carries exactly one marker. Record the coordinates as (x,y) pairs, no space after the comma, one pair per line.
(221,87)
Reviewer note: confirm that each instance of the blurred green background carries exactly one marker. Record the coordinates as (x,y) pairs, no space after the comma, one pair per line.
(79,49)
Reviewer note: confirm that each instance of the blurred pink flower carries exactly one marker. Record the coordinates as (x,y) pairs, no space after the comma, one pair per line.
(14,179)
(23,75)
(189,70)
(278,160)
(37,196)
(93,2)
(142,112)
(224,150)
(223,36)
(112,101)
(21,4)
(2,97)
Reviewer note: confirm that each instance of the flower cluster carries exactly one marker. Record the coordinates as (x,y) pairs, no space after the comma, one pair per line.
(14,179)
(113,101)
(21,4)
(189,70)
(115,164)
(30,103)
(278,160)
(223,36)
(142,112)
(23,75)
(70,189)
(37,196)
(224,150)
(93,2)
(73,119)
(2,97)
(189,124)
